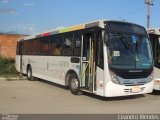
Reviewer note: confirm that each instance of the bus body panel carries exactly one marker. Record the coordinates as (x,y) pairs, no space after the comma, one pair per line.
(50,68)
(156,78)
(107,77)
(100,82)
(17,63)
(154,34)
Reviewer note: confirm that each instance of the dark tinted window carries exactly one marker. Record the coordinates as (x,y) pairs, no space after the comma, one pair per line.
(125,27)
(35,47)
(56,45)
(100,61)
(26,47)
(155,41)
(43,46)
(158,53)
(71,44)
(77,47)
(67,44)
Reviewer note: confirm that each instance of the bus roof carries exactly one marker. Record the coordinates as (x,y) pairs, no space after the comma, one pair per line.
(98,23)
(155,31)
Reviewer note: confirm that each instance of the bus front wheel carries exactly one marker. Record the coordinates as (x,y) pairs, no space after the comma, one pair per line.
(74,85)
(29,74)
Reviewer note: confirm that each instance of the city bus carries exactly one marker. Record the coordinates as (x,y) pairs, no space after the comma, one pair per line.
(155,41)
(105,58)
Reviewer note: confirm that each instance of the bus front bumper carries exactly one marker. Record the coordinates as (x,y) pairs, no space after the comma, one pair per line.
(115,90)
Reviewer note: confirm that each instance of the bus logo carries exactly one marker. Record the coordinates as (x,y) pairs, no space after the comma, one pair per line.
(133,71)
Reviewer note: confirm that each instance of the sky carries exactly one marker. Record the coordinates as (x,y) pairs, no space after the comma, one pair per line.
(34,16)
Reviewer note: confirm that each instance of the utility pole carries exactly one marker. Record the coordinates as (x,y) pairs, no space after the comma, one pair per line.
(149,3)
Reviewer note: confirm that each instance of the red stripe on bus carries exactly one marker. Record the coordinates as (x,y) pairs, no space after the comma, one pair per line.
(46,34)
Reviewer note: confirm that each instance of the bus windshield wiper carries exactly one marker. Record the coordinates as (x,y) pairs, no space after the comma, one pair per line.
(125,41)
(128,45)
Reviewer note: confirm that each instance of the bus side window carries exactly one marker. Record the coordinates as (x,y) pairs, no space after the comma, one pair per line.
(34,47)
(44,46)
(26,49)
(72,44)
(77,47)
(68,45)
(56,45)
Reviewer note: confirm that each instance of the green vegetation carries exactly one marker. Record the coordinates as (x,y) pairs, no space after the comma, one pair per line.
(7,67)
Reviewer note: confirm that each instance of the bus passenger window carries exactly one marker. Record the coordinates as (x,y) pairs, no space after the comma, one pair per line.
(68,47)
(43,42)
(71,45)
(77,47)
(56,45)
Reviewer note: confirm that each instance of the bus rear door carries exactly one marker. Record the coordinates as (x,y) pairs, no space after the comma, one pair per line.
(21,49)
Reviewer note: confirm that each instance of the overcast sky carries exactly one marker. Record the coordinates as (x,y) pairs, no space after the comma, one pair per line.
(33,16)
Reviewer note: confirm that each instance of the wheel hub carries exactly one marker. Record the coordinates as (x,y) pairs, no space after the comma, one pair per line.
(29,73)
(74,84)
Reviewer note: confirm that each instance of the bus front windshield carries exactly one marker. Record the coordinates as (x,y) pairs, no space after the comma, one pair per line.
(129,51)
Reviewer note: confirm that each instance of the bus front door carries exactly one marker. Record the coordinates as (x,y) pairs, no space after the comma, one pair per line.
(87,62)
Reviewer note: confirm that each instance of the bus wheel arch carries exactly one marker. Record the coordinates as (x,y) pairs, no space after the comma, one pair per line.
(72,81)
(67,77)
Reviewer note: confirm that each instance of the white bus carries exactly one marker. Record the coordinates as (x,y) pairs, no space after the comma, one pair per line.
(106,58)
(155,41)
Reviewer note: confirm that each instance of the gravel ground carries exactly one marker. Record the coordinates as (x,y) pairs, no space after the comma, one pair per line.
(39,97)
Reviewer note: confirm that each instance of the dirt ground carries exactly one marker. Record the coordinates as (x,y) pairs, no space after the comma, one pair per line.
(39,97)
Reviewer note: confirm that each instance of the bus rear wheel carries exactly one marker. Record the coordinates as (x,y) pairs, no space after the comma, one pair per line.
(74,85)
(29,74)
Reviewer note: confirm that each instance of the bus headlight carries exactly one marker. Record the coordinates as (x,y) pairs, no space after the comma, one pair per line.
(114,78)
(151,78)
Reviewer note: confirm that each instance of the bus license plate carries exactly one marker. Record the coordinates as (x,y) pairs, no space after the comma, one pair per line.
(136,89)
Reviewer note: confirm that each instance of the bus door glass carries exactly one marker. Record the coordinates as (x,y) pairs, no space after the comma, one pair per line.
(87,61)
(21,49)
(158,52)
(155,40)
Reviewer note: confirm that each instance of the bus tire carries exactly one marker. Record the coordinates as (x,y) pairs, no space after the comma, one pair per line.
(74,85)
(29,74)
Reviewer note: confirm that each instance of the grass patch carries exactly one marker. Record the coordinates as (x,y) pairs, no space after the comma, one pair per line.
(7,68)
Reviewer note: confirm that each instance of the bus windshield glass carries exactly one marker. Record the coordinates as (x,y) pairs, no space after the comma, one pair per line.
(129,51)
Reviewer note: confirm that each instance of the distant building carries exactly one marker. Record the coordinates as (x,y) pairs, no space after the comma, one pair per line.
(8,44)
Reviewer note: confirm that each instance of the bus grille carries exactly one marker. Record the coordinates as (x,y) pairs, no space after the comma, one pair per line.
(135,75)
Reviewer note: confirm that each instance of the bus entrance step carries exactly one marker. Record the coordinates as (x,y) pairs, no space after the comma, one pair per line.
(86,90)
